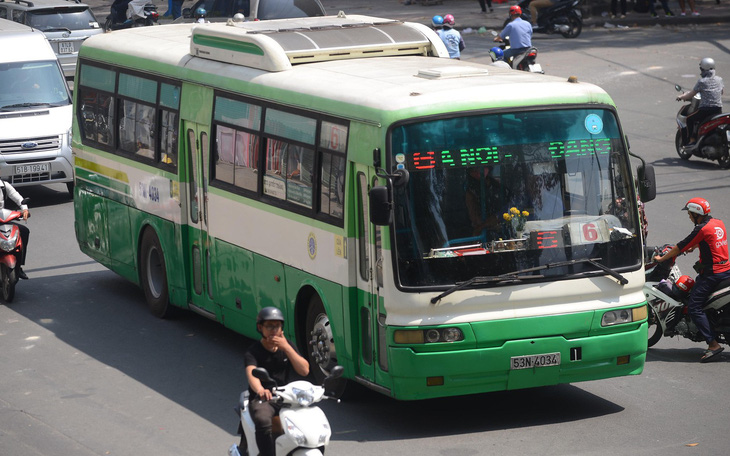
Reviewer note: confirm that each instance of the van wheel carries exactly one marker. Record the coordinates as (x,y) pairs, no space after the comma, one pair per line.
(153,275)
(70,187)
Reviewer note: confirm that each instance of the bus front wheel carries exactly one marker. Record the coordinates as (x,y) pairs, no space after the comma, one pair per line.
(154,275)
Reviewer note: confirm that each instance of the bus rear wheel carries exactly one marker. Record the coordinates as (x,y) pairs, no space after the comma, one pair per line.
(154,275)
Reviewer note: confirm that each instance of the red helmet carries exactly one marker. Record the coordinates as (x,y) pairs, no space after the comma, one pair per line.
(515,11)
(449,20)
(685,283)
(698,206)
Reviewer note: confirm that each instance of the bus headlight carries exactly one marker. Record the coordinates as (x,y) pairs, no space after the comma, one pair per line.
(427,336)
(617,317)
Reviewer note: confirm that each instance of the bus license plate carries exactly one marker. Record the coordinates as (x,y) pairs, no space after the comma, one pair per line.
(530,361)
(34,168)
(65,47)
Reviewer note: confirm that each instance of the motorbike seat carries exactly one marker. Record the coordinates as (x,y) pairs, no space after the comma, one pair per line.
(721,290)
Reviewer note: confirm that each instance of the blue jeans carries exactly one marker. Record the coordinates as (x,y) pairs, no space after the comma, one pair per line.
(704,285)
(177,8)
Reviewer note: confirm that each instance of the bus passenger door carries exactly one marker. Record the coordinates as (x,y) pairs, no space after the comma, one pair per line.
(367,292)
(197,255)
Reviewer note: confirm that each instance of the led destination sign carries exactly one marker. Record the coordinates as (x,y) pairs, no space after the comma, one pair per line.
(464,158)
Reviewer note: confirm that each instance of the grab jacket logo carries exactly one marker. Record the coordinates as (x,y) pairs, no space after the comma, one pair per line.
(719,233)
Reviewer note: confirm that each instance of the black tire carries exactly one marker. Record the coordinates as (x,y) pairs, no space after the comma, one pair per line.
(108,24)
(70,187)
(655,329)
(9,279)
(576,26)
(724,161)
(678,145)
(153,275)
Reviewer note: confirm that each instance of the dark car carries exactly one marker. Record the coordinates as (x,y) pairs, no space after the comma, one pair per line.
(257,9)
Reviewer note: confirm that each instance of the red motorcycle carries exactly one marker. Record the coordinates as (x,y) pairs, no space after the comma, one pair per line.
(11,250)
(713,135)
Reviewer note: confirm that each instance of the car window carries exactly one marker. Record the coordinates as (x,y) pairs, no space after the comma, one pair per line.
(66,18)
(3,13)
(32,82)
(274,9)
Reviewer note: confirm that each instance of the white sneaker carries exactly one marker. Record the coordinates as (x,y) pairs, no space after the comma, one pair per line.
(682,14)
(695,13)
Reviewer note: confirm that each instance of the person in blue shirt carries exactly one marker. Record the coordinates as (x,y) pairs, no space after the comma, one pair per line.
(519,33)
(451,37)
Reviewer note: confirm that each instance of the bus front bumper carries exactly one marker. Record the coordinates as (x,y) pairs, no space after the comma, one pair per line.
(471,371)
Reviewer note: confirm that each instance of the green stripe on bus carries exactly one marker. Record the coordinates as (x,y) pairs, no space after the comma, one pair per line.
(228,45)
(106,192)
(103,181)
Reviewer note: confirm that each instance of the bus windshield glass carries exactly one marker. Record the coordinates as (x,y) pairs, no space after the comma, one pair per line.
(494,193)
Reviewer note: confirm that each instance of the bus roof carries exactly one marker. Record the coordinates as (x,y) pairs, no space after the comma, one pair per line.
(415,83)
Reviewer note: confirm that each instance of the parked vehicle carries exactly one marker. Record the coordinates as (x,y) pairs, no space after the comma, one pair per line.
(11,251)
(131,13)
(667,290)
(563,17)
(255,9)
(304,426)
(713,135)
(35,110)
(66,24)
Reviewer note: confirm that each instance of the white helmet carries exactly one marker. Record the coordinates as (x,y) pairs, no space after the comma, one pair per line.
(707,64)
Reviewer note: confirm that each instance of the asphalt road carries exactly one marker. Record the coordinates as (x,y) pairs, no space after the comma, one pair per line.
(87,371)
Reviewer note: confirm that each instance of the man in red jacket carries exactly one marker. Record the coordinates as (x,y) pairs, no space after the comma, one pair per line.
(710,237)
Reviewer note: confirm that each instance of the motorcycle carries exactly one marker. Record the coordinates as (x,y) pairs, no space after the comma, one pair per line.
(526,61)
(131,13)
(301,426)
(563,17)
(713,135)
(667,297)
(11,251)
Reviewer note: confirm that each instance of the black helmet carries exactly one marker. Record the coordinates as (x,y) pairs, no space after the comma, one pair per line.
(269,313)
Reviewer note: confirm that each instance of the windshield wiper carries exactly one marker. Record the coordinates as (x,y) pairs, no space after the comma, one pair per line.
(516,276)
(57,29)
(24,105)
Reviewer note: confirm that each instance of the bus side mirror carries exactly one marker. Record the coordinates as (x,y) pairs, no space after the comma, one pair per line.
(381,208)
(647,183)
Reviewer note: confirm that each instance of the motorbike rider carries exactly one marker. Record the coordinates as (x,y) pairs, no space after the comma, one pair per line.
(519,32)
(713,267)
(497,55)
(711,89)
(275,354)
(451,37)
(8,190)
(538,4)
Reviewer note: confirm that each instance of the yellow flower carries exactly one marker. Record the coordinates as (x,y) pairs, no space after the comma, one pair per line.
(506,216)
(525,214)
(514,211)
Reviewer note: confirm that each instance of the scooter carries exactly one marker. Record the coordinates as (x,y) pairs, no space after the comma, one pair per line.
(563,17)
(666,294)
(11,251)
(526,61)
(713,135)
(125,14)
(302,427)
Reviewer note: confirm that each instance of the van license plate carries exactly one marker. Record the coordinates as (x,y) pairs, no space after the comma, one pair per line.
(65,47)
(34,168)
(530,361)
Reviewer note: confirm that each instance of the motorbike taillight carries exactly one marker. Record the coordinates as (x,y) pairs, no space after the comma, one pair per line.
(154,15)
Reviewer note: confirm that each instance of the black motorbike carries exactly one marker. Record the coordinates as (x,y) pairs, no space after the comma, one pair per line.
(713,135)
(563,17)
(117,18)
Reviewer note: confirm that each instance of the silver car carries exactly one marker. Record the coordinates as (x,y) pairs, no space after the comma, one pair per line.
(66,24)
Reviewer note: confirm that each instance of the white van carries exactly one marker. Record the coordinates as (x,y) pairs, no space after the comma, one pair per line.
(35,110)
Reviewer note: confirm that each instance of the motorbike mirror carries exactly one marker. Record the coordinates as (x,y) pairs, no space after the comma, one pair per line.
(678,88)
(262,374)
(336,372)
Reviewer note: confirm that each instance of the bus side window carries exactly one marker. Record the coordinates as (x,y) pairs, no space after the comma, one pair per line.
(364,234)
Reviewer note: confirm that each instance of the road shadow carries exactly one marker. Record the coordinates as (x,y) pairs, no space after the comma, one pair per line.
(682,355)
(198,364)
(44,195)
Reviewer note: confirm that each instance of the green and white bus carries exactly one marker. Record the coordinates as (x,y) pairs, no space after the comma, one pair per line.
(437,227)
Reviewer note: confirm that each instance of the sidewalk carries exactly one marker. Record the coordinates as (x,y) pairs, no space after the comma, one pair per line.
(469,15)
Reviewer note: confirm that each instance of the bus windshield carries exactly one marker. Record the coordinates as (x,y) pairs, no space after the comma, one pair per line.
(494,193)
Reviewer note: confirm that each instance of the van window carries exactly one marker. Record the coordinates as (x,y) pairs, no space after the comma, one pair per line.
(32,84)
